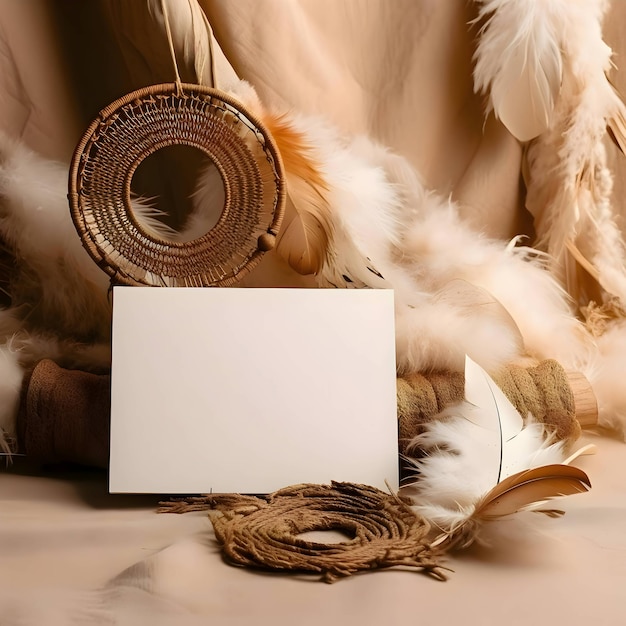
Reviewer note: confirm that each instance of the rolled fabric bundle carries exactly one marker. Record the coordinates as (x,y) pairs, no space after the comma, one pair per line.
(65,414)
(563,401)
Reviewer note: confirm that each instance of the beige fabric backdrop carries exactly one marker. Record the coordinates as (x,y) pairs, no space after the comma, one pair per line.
(36,103)
(398,71)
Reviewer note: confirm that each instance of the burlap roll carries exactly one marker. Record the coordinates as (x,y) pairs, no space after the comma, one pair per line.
(545,391)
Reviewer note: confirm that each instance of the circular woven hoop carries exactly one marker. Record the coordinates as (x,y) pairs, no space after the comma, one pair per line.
(137,125)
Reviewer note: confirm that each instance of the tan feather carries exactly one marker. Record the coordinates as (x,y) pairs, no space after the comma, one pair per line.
(525,491)
(306,233)
(529,488)
(191,37)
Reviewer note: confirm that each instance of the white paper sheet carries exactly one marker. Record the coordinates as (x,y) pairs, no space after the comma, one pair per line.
(251,390)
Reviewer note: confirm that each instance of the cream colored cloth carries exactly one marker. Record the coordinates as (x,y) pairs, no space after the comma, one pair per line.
(68,551)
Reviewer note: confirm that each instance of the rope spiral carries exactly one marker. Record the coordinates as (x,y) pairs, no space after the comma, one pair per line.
(266,532)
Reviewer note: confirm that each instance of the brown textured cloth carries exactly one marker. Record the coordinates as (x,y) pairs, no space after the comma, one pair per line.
(421,397)
(64,416)
(543,391)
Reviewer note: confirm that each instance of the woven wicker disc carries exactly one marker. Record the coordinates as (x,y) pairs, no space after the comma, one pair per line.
(137,125)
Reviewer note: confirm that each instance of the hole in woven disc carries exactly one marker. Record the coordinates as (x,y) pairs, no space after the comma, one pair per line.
(326,536)
(181,193)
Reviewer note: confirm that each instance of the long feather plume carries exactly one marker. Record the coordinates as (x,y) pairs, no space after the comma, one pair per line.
(544,66)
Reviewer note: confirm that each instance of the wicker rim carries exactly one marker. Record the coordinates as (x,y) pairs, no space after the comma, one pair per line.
(142,122)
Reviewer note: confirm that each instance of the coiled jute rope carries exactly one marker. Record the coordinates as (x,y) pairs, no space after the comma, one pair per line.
(266,533)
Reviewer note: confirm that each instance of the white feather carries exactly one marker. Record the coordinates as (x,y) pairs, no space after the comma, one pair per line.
(458,467)
(434,332)
(377,204)
(389,231)
(569,184)
(151,219)
(60,283)
(518,62)
(548,58)
(606,373)
(497,415)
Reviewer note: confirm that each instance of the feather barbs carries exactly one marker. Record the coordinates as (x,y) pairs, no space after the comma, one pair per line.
(306,234)
(530,489)
(518,60)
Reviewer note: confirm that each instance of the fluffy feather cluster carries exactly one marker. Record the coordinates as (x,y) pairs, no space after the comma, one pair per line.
(59,299)
(360,218)
(480,462)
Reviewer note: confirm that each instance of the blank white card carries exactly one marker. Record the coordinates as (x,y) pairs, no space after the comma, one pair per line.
(251,390)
